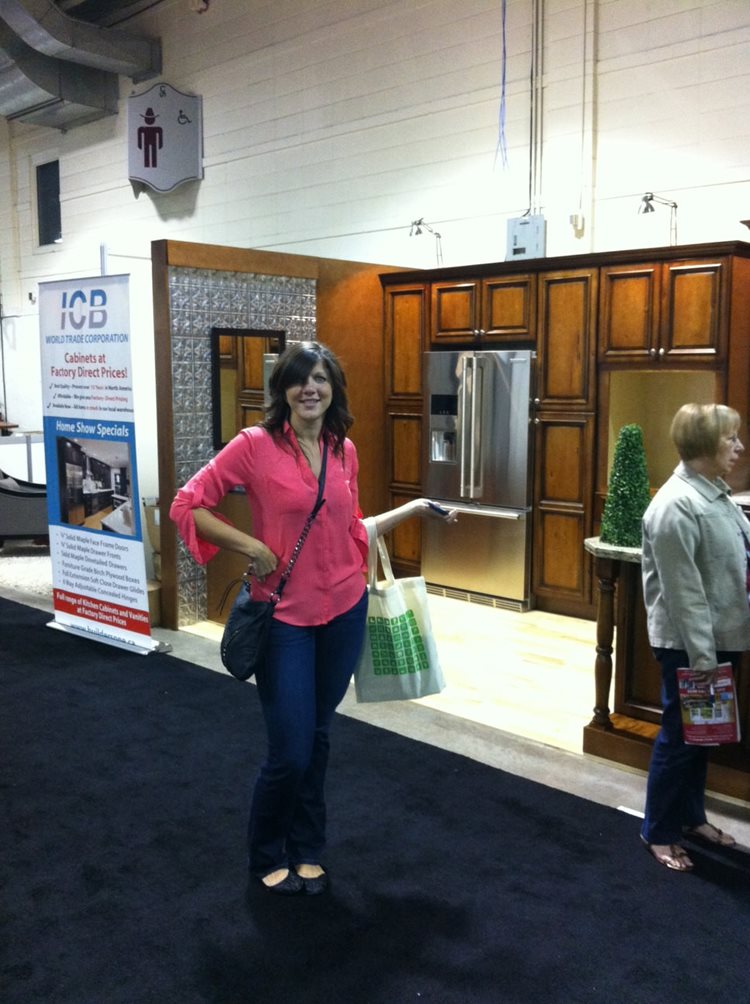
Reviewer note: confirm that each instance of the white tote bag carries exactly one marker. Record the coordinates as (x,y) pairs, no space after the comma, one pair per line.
(399,660)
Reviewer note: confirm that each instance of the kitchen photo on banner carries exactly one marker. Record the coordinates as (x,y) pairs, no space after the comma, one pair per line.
(99,585)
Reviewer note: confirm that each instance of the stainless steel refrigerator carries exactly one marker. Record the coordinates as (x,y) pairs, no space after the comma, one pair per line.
(477,460)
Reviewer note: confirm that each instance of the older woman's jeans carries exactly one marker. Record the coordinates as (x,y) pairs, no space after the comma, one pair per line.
(677,773)
(305,678)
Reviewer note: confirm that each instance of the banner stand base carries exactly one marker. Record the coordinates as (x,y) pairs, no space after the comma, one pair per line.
(145,649)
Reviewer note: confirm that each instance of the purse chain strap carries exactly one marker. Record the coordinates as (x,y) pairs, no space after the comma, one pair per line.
(276,594)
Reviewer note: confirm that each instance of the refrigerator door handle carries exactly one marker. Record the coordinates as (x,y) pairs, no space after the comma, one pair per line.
(489,511)
(464,487)
(477,377)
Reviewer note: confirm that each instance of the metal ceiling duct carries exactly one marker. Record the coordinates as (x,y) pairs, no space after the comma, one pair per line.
(50,92)
(59,72)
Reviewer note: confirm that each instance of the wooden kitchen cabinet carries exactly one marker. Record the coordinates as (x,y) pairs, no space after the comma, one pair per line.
(565,422)
(405,311)
(488,311)
(664,313)
(592,318)
(566,340)
(563,491)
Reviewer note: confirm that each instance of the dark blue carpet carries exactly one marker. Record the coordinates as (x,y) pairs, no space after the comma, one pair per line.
(125,782)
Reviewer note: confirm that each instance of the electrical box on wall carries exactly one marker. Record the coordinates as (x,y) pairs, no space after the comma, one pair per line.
(527,237)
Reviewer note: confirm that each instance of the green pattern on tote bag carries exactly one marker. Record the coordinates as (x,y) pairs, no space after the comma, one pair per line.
(396,644)
(399,659)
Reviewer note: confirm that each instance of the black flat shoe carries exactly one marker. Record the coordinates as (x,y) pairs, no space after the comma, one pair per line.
(315,886)
(289,886)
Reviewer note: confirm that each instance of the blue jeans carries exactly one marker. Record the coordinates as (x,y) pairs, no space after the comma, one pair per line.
(305,677)
(677,772)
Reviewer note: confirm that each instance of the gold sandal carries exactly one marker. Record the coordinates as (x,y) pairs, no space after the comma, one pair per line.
(675,857)
(713,835)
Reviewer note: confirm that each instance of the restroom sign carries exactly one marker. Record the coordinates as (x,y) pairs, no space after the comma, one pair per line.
(165,137)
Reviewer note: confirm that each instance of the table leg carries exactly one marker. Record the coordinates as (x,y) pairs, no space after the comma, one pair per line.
(607,571)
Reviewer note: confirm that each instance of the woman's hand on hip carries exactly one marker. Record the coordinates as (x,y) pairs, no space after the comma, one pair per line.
(261,560)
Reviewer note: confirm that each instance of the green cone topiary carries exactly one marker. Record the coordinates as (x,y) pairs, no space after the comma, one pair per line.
(628,493)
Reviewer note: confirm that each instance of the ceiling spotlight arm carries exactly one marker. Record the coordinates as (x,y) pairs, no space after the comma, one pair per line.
(647,206)
(418,226)
(650,197)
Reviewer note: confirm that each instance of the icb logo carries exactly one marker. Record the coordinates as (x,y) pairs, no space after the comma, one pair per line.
(79,311)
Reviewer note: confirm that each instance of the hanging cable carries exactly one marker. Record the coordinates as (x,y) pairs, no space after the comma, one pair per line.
(502,145)
(583,103)
(535,109)
(532,111)
(537,52)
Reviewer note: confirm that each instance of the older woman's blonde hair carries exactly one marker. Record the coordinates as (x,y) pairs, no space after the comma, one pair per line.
(697,429)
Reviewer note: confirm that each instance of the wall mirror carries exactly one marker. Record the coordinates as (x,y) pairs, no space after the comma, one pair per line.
(241,362)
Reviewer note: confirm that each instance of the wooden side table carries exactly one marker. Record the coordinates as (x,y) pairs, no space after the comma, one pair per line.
(607,564)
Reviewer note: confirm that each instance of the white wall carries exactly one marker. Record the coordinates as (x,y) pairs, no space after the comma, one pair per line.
(329,125)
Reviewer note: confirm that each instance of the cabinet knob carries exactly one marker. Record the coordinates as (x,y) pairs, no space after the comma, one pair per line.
(661,351)
(652,352)
(537,400)
(537,421)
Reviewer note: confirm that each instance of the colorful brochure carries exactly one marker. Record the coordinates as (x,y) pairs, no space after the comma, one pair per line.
(709,710)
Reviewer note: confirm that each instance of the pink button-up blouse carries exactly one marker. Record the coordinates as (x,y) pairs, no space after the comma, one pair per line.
(327,579)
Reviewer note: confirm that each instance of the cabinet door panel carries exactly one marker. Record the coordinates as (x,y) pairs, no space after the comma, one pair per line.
(561,535)
(693,322)
(567,305)
(251,368)
(628,315)
(251,414)
(455,311)
(562,517)
(563,465)
(405,319)
(405,544)
(406,449)
(509,308)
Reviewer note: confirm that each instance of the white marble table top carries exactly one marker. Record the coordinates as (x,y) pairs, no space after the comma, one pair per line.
(595,546)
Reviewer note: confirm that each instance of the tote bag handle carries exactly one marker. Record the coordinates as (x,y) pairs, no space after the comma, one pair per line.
(377,549)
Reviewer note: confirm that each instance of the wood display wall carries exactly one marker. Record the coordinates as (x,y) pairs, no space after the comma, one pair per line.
(349,321)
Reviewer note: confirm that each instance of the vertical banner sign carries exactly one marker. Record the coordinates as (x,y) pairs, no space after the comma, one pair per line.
(96,542)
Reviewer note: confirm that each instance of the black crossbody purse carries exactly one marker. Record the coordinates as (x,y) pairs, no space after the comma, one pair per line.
(244,643)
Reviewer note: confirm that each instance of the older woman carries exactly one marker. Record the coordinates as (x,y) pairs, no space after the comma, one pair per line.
(695,586)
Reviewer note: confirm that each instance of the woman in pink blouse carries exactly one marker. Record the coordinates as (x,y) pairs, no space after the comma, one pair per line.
(318,625)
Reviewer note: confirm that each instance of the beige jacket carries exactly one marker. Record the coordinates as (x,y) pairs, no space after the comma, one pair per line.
(694,569)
